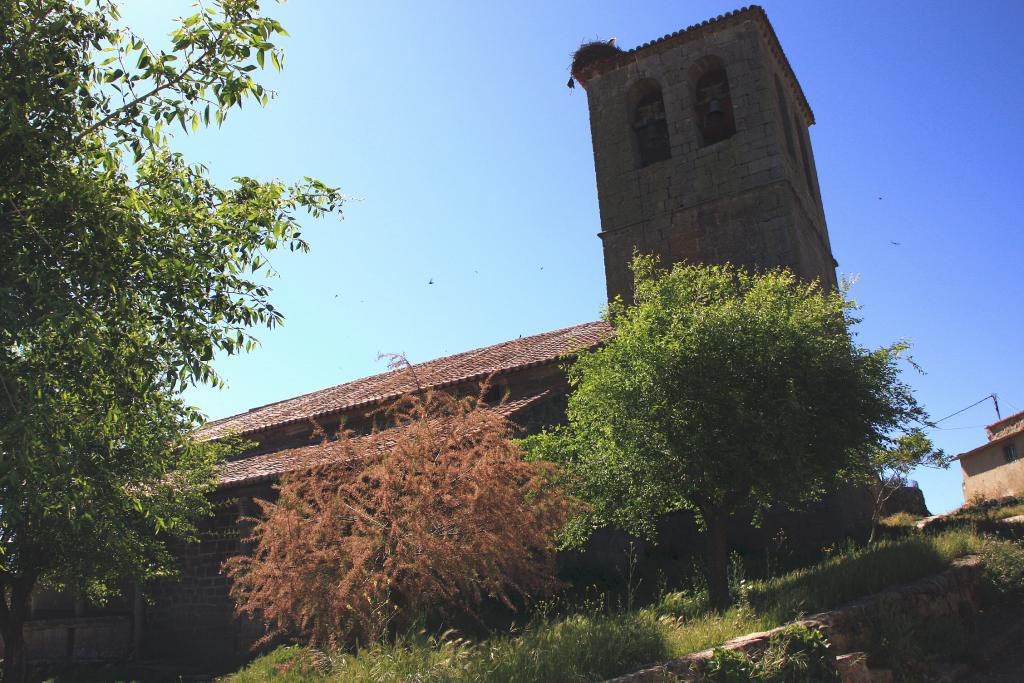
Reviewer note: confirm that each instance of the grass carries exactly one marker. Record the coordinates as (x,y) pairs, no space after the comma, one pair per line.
(915,649)
(975,512)
(981,511)
(796,653)
(986,513)
(900,519)
(599,642)
(858,572)
(923,649)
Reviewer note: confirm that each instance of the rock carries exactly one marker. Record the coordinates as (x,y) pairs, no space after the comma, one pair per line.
(853,668)
(906,499)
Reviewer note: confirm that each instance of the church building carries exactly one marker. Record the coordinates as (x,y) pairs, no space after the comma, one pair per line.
(702,155)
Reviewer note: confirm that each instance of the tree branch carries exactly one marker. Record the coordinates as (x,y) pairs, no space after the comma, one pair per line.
(145,96)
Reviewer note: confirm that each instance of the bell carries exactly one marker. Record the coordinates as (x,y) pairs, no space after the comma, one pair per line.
(715,115)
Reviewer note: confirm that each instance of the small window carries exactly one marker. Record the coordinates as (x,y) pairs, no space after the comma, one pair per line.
(801,137)
(1010,452)
(784,110)
(714,107)
(650,127)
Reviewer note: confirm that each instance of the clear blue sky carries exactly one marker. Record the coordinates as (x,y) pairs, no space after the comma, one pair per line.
(471,163)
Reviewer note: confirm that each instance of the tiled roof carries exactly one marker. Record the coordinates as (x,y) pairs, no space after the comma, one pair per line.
(473,365)
(754,11)
(269,466)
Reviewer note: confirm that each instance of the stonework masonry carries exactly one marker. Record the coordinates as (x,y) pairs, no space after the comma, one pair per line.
(751,199)
(190,617)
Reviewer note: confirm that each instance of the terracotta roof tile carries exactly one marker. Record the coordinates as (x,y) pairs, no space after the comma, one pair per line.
(516,354)
(268,466)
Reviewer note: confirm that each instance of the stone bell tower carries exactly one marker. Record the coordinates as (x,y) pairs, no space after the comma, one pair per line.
(702,153)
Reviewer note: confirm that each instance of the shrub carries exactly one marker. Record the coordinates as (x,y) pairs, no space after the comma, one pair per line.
(730,666)
(917,649)
(1004,570)
(432,515)
(683,604)
(793,655)
(900,519)
(286,664)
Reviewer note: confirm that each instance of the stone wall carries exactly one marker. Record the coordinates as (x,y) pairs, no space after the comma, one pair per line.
(751,199)
(784,539)
(189,618)
(79,639)
(953,593)
(909,499)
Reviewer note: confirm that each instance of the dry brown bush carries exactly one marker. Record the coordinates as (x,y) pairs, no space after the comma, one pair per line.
(431,515)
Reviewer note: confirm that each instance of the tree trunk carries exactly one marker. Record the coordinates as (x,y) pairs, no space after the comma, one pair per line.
(874,527)
(876,512)
(717,560)
(12,621)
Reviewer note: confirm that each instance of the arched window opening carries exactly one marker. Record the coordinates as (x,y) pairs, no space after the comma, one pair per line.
(785,118)
(714,106)
(650,127)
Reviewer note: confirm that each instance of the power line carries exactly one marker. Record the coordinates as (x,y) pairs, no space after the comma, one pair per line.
(949,429)
(995,399)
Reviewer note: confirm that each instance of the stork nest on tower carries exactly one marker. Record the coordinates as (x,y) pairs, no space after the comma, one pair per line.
(593,52)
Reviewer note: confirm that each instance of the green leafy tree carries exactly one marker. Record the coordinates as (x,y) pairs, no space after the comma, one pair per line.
(892,464)
(123,270)
(722,392)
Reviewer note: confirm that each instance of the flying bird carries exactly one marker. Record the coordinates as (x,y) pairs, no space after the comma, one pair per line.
(431,281)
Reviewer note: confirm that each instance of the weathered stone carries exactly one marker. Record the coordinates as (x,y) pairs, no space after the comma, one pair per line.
(853,668)
(740,199)
(850,629)
(909,499)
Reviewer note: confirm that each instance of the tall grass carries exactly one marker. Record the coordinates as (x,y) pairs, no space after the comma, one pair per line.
(582,647)
(900,519)
(858,572)
(600,643)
